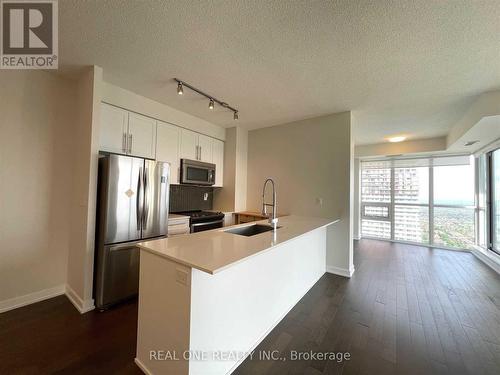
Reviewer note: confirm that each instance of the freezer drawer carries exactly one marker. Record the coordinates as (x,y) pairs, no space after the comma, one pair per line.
(118,277)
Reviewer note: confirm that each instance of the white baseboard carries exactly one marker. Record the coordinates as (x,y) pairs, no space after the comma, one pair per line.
(28,299)
(143,368)
(490,259)
(340,271)
(81,305)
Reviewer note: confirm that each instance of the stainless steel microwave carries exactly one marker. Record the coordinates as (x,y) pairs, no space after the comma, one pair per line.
(197,172)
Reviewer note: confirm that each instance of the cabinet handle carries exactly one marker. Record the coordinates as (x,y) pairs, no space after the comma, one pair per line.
(130,143)
(200,153)
(197,152)
(124,143)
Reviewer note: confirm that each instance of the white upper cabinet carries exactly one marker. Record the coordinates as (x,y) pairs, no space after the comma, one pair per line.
(218,160)
(167,148)
(141,136)
(196,146)
(127,133)
(189,145)
(114,129)
(205,148)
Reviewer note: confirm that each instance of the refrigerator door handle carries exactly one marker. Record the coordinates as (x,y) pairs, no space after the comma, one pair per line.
(146,199)
(138,204)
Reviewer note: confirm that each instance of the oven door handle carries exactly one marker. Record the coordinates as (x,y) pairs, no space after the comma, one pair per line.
(208,223)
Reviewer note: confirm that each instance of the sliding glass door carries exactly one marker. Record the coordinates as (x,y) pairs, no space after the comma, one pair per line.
(495,200)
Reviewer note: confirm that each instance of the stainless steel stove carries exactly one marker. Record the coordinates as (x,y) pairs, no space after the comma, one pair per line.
(204,220)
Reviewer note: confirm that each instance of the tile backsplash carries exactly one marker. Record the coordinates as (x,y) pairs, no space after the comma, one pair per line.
(190,198)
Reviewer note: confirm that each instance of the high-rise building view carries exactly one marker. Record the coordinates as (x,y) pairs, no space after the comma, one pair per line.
(396,203)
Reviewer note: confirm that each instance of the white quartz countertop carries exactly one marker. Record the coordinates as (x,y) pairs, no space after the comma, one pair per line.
(214,250)
(177,216)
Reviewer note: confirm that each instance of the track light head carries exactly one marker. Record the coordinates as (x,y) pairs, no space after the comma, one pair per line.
(212,99)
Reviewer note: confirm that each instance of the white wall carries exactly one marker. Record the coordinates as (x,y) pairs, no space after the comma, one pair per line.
(309,160)
(488,104)
(83,204)
(48,167)
(408,147)
(232,197)
(36,154)
(131,101)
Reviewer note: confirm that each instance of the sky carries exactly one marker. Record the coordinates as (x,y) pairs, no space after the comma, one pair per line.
(454,185)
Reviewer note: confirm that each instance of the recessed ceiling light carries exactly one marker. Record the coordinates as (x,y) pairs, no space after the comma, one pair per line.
(397,139)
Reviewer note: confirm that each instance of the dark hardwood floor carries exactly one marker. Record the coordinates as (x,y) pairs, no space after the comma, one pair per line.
(52,337)
(406,310)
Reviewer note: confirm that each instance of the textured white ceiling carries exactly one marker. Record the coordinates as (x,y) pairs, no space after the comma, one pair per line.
(402,67)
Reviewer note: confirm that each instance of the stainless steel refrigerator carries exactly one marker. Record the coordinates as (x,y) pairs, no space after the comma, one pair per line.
(132,206)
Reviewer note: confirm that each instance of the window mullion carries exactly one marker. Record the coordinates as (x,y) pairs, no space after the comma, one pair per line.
(431,204)
(393,219)
(476,199)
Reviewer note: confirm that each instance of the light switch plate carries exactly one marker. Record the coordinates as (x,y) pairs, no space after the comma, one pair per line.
(182,276)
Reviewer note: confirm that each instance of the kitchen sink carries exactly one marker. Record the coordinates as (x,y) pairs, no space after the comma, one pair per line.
(251,230)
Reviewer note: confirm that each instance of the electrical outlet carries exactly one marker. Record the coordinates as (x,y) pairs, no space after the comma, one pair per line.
(319,202)
(181,276)
(205,196)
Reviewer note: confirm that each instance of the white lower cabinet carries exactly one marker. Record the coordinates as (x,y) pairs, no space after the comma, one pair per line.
(167,148)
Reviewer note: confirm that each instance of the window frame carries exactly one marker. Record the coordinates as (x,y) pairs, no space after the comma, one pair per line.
(430,205)
(489,201)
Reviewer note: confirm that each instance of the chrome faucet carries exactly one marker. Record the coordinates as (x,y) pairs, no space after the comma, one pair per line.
(273,220)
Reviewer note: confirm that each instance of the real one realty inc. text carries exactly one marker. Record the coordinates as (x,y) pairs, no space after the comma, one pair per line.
(234,355)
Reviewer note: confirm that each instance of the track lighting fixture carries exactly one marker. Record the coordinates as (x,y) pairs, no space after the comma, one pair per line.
(211,104)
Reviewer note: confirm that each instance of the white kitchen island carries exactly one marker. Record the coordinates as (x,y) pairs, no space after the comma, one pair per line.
(207,299)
